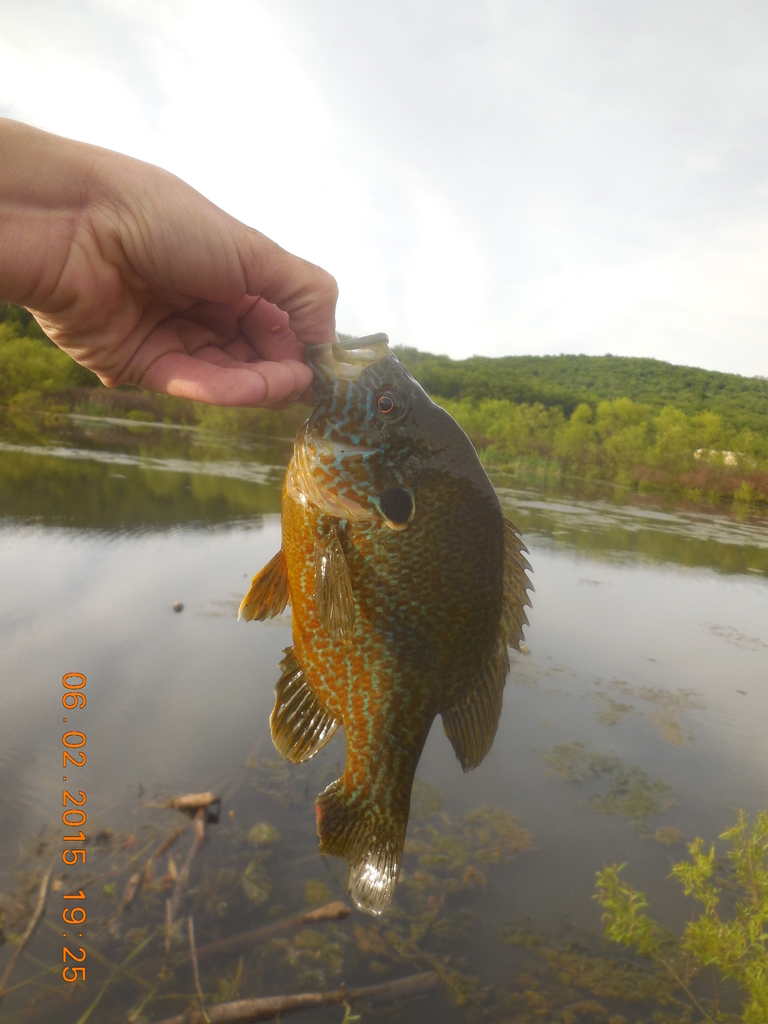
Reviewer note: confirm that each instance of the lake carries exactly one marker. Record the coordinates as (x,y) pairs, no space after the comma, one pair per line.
(636,722)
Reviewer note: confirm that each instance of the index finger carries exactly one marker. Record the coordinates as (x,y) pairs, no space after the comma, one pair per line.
(307,293)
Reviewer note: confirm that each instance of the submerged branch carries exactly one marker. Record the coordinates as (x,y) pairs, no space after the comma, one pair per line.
(245,1011)
(181,882)
(141,878)
(35,919)
(194,802)
(193,954)
(335,911)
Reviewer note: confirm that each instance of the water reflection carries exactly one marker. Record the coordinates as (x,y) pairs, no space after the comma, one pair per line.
(686,537)
(636,722)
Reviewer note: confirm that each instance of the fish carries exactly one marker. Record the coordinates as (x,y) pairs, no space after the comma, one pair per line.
(407,586)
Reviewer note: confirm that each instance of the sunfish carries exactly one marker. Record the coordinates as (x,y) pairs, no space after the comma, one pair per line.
(407,587)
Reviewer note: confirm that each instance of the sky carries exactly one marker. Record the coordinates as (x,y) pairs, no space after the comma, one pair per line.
(490,177)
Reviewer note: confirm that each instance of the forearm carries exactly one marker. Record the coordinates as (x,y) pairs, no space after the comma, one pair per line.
(44,185)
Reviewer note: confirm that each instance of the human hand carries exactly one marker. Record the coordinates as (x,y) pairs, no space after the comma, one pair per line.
(144,281)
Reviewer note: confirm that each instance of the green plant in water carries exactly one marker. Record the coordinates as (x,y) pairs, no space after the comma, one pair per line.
(733,943)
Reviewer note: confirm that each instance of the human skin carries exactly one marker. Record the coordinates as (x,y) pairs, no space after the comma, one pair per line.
(144,281)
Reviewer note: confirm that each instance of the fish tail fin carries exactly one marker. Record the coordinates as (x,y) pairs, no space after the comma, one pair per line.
(370,842)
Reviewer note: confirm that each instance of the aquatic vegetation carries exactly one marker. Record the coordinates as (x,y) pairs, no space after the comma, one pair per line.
(611,711)
(736,637)
(632,792)
(256,884)
(316,892)
(665,834)
(454,848)
(575,982)
(668,704)
(263,833)
(575,763)
(248,947)
(317,957)
(275,779)
(729,932)
(263,921)
(426,799)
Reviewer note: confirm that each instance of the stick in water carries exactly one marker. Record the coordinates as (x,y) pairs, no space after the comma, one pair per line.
(335,911)
(194,967)
(39,909)
(245,1011)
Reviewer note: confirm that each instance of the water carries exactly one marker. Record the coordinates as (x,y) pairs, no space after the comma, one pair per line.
(648,650)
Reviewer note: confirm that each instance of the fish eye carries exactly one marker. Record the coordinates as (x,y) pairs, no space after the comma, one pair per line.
(389,404)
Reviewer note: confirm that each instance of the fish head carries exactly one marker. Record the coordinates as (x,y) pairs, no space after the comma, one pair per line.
(363,394)
(371,429)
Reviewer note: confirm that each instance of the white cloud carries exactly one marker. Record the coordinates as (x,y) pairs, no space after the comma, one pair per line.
(491,177)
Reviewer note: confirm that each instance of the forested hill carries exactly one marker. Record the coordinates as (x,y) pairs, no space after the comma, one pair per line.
(565,381)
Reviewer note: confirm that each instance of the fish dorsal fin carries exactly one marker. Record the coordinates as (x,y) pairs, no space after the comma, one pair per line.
(516,587)
(471,723)
(333,590)
(369,840)
(268,595)
(300,724)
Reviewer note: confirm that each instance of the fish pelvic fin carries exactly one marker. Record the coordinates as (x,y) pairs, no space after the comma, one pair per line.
(269,594)
(471,723)
(300,724)
(333,591)
(370,841)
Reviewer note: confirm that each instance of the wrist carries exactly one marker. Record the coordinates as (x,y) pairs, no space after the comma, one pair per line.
(44,190)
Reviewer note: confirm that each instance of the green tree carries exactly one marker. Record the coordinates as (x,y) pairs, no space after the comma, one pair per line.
(32,364)
(576,442)
(674,446)
(622,427)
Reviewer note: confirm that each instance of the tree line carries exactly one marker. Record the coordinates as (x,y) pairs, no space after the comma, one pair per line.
(639,423)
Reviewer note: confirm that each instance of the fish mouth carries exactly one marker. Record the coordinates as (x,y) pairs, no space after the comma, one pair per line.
(347,359)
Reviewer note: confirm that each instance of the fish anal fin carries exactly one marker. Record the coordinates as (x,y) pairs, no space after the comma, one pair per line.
(370,842)
(471,723)
(300,724)
(333,591)
(269,593)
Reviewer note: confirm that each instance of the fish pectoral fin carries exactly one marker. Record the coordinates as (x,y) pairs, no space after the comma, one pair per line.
(371,842)
(471,723)
(269,594)
(516,587)
(333,591)
(300,724)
